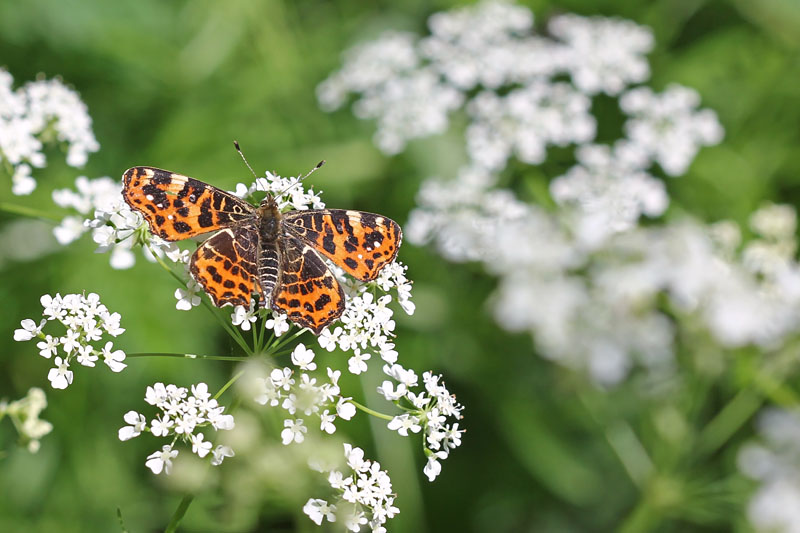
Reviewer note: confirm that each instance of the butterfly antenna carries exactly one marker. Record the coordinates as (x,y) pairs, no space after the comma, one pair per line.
(236,144)
(301,179)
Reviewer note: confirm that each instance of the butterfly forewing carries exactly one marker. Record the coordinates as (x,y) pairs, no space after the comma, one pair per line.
(178,207)
(306,290)
(225,265)
(360,243)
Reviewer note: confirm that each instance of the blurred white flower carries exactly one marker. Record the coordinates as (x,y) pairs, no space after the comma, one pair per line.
(38,113)
(603,54)
(668,126)
(525,121)
(772,460)
(25,415)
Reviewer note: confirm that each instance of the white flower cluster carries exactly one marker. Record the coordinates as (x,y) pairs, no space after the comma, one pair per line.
(86,321)
(668,126)
(367,322)
(525,121)
(115,227)
(288,192)
(424,411)
(408,101)
(773,462)
(583,279)
(302,395)
(602,54)
(182,416)
(365,495)
(39,113)
(608,191)
(591,298)
(411,86)
(25,415)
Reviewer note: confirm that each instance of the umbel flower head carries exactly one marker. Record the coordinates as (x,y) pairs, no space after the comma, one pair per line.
(39,113)
(363,495)
(86,321)
(25,415)
(182,417)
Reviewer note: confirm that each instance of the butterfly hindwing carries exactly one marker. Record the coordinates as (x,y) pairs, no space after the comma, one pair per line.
(360,243)
(178,207)
(306,290)
(225,265)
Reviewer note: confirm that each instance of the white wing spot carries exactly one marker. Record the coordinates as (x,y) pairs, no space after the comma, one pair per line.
(149,197)
(170,217)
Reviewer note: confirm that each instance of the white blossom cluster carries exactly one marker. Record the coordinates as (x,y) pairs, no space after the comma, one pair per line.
(25,415)
(367,324)
(182,417)
(608,191)
(525,121)
(425,411)
(365,495)
(411,86)
(288,192)
(301,395)
(115,227)
(407,100)
(592,304)
(668,126)
(583,279)
(772,461)
(38,113)
(86,321)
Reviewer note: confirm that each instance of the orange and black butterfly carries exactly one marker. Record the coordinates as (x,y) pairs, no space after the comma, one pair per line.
(261,250)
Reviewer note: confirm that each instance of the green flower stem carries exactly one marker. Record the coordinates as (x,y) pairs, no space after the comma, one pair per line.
(229,383)
(28,212)
(188,356)
(748,401)
(179,513)
(370,411)
(187,499)
(281,342)
(230,329)
(623,442)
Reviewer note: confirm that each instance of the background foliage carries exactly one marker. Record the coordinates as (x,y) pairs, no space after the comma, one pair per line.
(171,84)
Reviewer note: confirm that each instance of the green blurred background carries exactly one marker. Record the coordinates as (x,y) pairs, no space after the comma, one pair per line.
(171,84)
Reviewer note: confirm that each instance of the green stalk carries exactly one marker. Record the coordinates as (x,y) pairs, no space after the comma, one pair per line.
(188,356)
(231,331)
(179,513)
(370,411)
(27,212)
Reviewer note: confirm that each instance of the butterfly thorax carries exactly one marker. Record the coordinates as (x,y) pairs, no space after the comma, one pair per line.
(269,219)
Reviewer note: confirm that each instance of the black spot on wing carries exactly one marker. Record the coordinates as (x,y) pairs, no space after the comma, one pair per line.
(181,227)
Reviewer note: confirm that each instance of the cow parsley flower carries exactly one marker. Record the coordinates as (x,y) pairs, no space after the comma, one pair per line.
(406,101)
(363,495)
(609,192)
(39,113)
(771,460)
(668,126)
(304,395)
(478,44)
(427,411)
(86,321)
(115,227)
(25,415)
(525,121)
(603,54)
(367,324)
(184,412)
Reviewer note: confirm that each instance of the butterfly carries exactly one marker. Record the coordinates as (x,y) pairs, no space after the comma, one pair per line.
(258,249)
